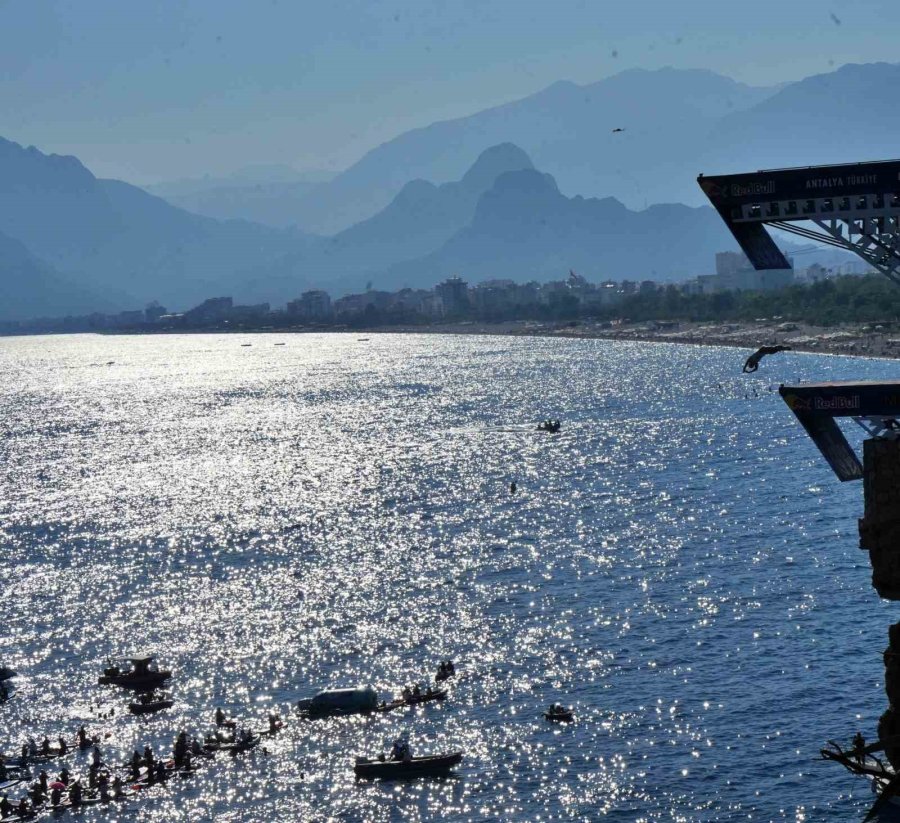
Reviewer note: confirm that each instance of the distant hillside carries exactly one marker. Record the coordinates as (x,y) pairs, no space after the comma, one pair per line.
(567,129)
(267,194)
(675,123)
(524,228)
(31,288)
(115,239)
(420,219)
(845,116)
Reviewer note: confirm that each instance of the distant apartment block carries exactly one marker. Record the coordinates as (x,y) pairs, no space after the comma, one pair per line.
(454,294)
(312,306)
(211,310)
(734,272)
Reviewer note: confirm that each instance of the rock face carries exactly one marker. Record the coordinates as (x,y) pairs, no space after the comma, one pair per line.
(889,722)
(879,534)
(879,529)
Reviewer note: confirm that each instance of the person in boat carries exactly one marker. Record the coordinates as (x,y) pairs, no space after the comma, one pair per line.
(37,795)
(96,759)
(64,776)
(417,690)
(160,771)
(148,757)
(103,787)
(401,750)
(22,808)
(222,720)
(43,780)
(93,774)
(179,750)
(196,746)
(45,746)
(136,765)
(118,790)
(186,762)
(24,753)
(3,771)
(63,746)
(274,723)
(83,738)
(5,807)
(75,794)
(55,796)
(32,747)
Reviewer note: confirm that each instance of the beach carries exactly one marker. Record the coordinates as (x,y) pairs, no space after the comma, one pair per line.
(861,340)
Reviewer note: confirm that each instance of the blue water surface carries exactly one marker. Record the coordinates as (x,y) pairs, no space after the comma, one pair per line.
(678,564)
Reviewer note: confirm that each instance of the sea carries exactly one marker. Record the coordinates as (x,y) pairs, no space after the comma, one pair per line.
(272,515)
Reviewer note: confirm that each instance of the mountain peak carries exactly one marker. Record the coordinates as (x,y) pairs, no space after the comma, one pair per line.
(493,162)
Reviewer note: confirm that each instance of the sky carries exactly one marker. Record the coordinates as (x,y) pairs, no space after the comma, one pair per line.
(170,89)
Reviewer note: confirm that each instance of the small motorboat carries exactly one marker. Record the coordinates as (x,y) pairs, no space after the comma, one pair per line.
(434,764)
(339,703)
(143,676)
(552,426)
(147,705)
(558,714)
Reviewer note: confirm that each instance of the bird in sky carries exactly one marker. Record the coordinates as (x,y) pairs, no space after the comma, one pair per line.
(615,131)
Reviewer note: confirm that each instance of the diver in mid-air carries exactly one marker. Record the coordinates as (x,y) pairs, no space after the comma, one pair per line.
(752,363)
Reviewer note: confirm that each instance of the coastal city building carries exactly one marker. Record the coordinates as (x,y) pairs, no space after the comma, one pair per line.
(452,299)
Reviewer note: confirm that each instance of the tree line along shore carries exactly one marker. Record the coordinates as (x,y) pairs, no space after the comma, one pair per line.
(848,314)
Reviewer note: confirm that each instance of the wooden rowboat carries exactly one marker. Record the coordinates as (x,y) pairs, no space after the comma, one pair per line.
(404,769)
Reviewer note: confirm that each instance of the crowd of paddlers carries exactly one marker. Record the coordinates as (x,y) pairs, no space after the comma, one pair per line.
(106,782)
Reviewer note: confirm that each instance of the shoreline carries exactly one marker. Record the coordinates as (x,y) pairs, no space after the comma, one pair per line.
(850,340)
(879,341)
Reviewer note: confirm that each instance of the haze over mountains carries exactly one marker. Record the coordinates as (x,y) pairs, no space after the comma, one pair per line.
(497,194)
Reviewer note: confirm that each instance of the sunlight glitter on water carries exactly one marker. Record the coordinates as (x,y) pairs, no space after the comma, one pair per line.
(272,521)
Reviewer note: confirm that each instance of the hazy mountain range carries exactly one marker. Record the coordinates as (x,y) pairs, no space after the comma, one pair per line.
(677,123)
(497,194)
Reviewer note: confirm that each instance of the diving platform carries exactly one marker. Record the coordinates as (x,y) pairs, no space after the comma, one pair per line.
(855,207)
(874,405)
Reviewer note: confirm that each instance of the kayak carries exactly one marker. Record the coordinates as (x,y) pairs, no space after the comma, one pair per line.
(237,748)
(29,815)
(150,708)
(441,694)
(231,746)
(401,769)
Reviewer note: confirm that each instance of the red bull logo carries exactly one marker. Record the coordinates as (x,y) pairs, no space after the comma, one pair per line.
(822,404)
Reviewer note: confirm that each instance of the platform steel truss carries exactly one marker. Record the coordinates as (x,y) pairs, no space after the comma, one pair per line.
(866,225)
